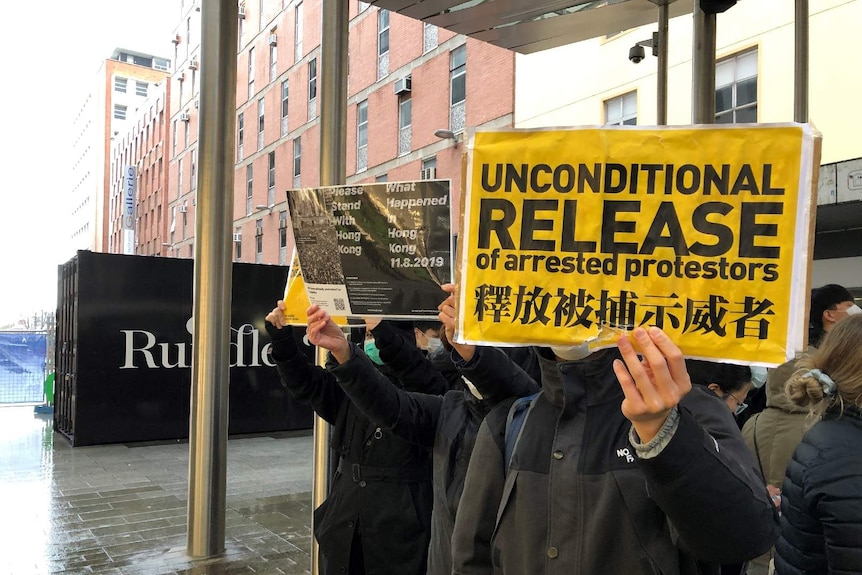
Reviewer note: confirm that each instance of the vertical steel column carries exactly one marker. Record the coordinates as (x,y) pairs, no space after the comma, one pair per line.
(661,73)
(333,172)
(212,284)
(703,67)
(800,63)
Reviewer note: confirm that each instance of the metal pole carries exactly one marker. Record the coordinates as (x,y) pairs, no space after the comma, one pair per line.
(800,61)
(333,172)
(212,284)
(703,67)
(661,74)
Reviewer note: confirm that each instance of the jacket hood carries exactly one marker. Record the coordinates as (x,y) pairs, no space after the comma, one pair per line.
(775,382)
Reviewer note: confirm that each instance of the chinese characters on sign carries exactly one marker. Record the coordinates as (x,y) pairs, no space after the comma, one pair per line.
(578,235)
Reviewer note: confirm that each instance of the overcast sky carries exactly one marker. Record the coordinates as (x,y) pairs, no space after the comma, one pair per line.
(50,55)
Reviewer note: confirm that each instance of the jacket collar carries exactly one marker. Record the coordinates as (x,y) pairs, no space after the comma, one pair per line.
(567,381)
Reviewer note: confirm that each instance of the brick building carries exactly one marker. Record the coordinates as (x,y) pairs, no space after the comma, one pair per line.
(407,80)
(122,84)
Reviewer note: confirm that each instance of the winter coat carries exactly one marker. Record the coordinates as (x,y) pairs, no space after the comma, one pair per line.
(821,500)
(779,427)
(578,499)
(447,424)
(381,491)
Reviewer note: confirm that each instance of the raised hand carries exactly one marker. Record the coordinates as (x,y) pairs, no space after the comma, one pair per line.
(276,316)
(654,385)
(448,316)
(324,332)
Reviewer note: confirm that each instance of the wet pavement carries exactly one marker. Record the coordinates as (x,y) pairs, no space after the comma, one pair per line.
(121,509)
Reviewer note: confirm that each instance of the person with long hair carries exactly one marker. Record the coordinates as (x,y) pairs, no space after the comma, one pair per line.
(821,502)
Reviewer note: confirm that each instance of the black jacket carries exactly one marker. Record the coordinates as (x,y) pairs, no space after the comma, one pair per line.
(578,499)
(381,490)
(821,500)
(447,424)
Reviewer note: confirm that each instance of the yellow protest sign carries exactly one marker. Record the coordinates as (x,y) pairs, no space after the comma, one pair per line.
(296,300)
(573,235)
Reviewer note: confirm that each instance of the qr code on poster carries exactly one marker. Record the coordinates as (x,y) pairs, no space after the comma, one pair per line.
(339,303)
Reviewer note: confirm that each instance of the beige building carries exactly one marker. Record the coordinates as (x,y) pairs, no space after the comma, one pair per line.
(123,83)
(594,82)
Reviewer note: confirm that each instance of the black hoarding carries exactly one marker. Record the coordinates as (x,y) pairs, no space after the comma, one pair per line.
(130,378)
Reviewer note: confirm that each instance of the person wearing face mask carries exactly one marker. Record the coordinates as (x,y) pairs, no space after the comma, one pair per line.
(377,516)
(619,465)
(445,424)
(774,433)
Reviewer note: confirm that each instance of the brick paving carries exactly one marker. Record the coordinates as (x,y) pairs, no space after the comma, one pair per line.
(122,509)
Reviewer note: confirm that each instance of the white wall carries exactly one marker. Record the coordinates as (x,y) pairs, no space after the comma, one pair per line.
(567,86)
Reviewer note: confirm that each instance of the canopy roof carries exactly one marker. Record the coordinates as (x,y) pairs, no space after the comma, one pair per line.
(527,26)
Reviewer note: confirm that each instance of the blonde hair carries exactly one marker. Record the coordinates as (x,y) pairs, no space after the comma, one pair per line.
(840,358)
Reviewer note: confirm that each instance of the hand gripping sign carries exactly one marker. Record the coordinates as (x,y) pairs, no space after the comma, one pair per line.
(577,235)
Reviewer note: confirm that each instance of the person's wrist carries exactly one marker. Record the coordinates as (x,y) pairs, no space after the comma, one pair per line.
(341,351)
(647,429)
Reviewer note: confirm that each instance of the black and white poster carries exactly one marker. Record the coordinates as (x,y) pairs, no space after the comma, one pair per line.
(379,249)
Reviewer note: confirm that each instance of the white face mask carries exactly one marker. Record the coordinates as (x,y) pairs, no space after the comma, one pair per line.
(853,310)
(571,352)
(758,376)
(434,345)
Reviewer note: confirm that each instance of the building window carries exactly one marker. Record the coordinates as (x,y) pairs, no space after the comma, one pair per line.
(736,89)
(240,132)
(297,161)
(282,238)
(362,135)
(429,37)
(179,178)
(260,123)
(285,91)
(187,132)
(270,193)
(193,183)
(273,56)
(249,188)
(622,110)
(297,33)
(237,240)
(458,88)
(250,72)
(141,88)
(119,112)
(404,125)
(381,178)
(382,43)
(120,84)
(429,168)
(312,88)
(258,241)
(174,138)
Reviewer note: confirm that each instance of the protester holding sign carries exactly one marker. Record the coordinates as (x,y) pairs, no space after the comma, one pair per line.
(614,470)
(377,517)
(446,424)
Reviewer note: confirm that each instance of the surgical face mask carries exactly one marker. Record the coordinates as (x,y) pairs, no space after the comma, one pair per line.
(571,352)
(372,352)
(434,345)
(853,310)
(758,376)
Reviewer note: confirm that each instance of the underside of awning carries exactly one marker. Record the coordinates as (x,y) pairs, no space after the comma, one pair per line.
(527,26)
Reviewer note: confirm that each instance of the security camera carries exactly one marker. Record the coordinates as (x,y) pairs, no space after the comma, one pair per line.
(637,53)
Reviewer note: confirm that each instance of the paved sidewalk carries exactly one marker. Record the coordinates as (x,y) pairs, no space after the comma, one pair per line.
(121,509)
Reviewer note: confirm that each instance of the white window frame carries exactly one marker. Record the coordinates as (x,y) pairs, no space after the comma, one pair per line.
(618,109)
(731,71)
